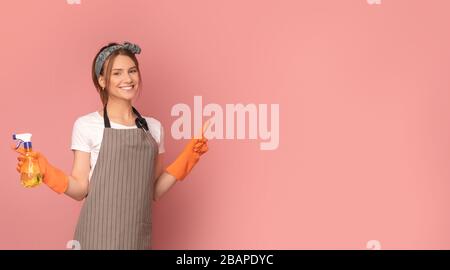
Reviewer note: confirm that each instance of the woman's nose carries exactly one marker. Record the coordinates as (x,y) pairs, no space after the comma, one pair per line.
(128,78)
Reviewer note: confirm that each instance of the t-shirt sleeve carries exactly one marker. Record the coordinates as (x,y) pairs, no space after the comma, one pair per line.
(80,138)
(157,131)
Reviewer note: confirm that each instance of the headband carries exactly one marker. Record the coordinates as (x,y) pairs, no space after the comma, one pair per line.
(101,58)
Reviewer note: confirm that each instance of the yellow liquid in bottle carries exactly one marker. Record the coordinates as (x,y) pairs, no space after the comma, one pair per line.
(30,180)
(30,175)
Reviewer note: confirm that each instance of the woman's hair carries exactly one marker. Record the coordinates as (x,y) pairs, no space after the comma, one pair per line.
(108,67)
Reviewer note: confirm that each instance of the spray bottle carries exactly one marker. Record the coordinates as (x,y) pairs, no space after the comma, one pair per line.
(30,174)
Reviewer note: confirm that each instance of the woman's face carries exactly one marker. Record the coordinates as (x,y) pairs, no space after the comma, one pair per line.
(124,80)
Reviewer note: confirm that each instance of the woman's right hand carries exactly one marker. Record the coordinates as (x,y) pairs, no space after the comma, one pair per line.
(51,176)
(42,161)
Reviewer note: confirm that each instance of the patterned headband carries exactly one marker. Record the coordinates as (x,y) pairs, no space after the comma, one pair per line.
(101,58)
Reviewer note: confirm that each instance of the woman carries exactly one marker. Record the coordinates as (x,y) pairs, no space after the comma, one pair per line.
(117,165)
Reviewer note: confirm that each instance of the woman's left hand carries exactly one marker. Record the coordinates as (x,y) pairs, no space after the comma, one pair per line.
(184,163)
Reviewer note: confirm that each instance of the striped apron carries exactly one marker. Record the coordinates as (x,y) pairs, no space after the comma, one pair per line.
(116,213)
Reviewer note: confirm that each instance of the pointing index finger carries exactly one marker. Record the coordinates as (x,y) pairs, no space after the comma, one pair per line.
(205,127)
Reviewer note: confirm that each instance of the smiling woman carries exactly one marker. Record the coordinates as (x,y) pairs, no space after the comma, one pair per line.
(119,71)
(117,168)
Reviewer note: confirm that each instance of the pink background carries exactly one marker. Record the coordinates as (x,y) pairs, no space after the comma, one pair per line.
(364,117)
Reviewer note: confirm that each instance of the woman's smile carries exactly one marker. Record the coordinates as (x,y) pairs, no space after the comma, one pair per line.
(127,88)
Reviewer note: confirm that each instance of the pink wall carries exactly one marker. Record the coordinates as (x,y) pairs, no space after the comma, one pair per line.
(364,99)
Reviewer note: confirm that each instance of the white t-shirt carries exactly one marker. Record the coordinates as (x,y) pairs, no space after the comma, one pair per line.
(88,129)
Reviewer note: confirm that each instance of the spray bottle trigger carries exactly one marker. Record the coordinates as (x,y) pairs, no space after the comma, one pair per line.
(18,144)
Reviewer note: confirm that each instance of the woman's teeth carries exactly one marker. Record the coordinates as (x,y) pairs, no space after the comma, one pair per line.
(126,88)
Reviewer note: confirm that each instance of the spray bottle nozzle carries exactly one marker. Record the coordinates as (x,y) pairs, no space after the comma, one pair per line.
(24,138)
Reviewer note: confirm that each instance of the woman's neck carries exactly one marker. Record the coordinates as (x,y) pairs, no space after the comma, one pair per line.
(120,111)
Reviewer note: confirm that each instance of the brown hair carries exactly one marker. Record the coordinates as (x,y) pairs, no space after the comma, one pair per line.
(108,67)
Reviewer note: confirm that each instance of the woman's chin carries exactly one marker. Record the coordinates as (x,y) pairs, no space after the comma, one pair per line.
(126,96)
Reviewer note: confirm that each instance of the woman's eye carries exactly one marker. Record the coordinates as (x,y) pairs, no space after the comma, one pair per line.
(134,71)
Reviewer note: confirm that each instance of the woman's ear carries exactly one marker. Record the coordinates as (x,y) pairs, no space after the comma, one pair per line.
(101,81)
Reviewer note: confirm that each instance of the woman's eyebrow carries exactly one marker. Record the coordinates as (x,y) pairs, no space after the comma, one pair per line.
(122,68)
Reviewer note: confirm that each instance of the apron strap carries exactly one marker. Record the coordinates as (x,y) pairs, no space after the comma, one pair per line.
(140,121)
(106,118)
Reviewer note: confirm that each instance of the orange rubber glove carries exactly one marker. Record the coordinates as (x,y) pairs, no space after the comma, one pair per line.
(190,155)
(52,176)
